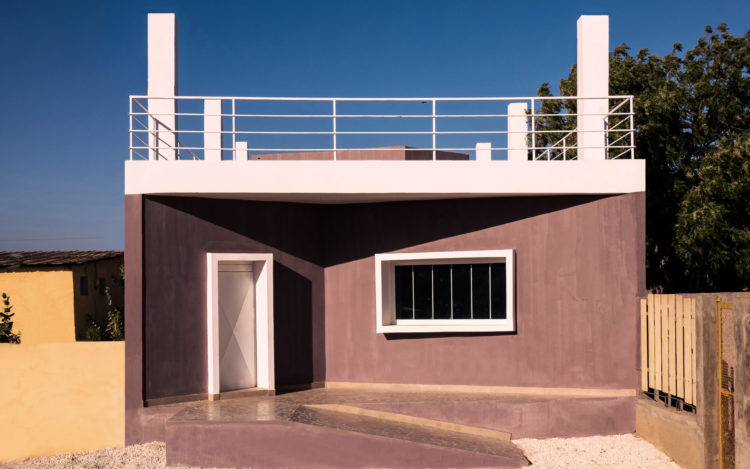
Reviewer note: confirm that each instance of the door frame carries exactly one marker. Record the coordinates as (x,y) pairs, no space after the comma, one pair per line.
(263,284)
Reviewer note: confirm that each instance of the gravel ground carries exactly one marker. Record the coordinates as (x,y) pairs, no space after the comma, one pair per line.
(618,451)
(149,455)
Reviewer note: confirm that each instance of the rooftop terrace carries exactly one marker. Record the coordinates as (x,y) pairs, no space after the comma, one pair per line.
(394,148)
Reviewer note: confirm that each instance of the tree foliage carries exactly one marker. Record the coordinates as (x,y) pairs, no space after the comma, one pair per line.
(692,121)
(114,325)
(7,336)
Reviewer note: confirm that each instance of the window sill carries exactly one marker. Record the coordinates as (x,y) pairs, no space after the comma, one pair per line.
(486,326)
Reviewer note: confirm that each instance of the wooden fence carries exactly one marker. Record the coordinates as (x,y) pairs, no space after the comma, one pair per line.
(668,347)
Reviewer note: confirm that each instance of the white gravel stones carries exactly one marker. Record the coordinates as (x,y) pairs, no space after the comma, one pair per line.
(149,455)
(616,451)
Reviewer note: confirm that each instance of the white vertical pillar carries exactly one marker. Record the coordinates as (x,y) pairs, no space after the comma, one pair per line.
(212,130)
(240,151)
(593,82)
(484,151)
(518,148)
(162,82)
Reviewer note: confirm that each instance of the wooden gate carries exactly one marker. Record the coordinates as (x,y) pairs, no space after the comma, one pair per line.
(668,349)
(726,361)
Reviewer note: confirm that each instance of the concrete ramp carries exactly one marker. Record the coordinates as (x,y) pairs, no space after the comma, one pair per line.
(413,429)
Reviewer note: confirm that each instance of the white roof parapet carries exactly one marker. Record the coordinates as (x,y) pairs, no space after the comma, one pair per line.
(373,181)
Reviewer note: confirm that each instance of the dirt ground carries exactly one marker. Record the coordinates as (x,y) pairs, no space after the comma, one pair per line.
(617,451)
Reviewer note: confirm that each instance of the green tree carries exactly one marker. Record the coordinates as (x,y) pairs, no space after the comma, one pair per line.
(115,329)
(712,223)
(692,120)
(7,336)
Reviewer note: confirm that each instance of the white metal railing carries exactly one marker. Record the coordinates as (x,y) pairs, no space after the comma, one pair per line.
(206,127)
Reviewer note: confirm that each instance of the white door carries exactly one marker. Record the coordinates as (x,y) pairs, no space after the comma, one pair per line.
(237,369)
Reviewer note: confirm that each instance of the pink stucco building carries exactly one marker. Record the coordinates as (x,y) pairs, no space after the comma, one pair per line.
(268,250)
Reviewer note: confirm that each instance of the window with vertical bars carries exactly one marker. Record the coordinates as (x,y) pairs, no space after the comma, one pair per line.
(450,291)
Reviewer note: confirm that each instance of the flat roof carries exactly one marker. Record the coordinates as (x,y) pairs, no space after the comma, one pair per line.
(376,181)
(10,260)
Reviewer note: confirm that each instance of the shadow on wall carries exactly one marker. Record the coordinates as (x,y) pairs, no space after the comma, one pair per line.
(305,240)
(334,234)
(365,229)
(293,328)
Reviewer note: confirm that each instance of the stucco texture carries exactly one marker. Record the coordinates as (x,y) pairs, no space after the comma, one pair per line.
(59,398)
(580,272)
(42,301)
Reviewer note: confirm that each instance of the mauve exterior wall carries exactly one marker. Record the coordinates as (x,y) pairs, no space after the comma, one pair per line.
(580,269)
(177,234)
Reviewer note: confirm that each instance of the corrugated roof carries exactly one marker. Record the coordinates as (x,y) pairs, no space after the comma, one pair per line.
(13,260)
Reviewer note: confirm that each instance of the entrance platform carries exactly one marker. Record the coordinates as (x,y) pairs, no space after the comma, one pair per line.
(353,428)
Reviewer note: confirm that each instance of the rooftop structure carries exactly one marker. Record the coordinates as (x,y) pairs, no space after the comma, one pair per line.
(425,244)
(239,147)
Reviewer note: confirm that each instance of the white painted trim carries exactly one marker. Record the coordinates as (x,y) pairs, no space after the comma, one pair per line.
(362,181)
(263,274)
(384,292)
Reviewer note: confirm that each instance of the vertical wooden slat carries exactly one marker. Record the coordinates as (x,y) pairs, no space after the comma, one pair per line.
(692,349)
(689,396)
(664,343)
(644,348)
(657,344)
(651,342)
(680,347)
(671,342)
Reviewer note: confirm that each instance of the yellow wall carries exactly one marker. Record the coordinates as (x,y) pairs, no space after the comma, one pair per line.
(59,398)
(43,303)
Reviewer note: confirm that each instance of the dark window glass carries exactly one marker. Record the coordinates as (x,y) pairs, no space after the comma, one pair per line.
(442,292)
(404,308)
(422,292)
(498,291)
(462,291)
(458,291)
(84,286)
(480,288)
(102,286)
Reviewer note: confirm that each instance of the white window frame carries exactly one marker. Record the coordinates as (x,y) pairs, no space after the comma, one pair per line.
(385,292)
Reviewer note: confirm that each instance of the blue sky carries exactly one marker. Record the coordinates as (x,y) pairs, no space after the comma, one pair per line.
(68,68)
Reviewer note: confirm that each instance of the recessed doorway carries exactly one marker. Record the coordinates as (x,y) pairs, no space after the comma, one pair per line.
(239,322)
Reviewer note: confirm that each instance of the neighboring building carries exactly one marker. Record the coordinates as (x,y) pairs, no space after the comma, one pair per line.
(504,273)
(54,292)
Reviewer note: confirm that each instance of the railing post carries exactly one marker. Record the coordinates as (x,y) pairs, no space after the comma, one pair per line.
(434,129)
(162,83)
(335,143)
(130,126)
(484,151)
(518,149)
(234,129)
(212,130)
(632,130)
(533,129)
(592,82)
(240,151)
